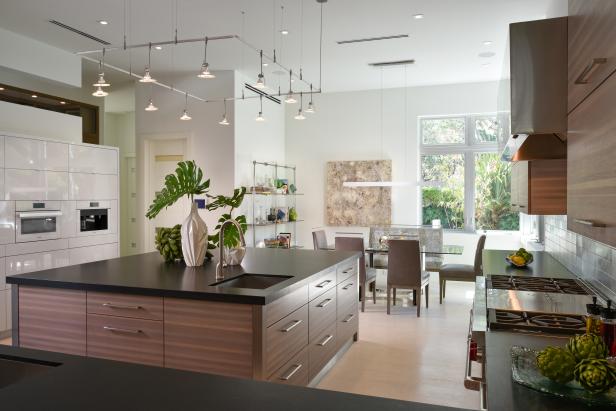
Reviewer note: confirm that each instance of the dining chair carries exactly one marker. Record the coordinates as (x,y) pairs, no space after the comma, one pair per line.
(367,276)
(319,240)
(461,272)
(404,270)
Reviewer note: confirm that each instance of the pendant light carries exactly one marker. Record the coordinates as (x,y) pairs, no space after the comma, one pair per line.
(310,108)
(300,114)
(101,74)
(260,117)
(261,78)
(205,67)
(224,121)
(147,77)
(290,97)
(100,92)
(185,115)
(151,106)
(283,30)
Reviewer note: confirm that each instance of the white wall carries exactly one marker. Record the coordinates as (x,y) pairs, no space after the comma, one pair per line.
(347,126)
(32,121)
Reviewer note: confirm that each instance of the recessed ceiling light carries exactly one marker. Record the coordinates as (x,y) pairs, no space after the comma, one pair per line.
(418,16)
(292,80)
(265,64)
(284,32)
(487,54)
(103,22)
(63,102)
(487,43)
(158,47)
(1,88)
(34,96)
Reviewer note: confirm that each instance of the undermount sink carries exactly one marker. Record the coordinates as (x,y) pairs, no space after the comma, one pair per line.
(254,281)
(14,370)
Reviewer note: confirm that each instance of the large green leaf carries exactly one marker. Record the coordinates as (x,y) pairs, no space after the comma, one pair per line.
(223,201)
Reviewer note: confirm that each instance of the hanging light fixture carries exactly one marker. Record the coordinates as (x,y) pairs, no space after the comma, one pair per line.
(205,67)
(261,78)
(101,74)
(300,115)
(290,97)
(260,117)
(151,106)
(284,31)
(224,121)
(98,93)
(147,77)
(310,108)
(185,115)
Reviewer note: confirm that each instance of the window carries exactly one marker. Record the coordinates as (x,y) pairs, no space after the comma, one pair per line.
(464,184)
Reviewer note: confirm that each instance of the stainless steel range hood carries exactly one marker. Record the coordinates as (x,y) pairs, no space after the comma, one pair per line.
(537,90)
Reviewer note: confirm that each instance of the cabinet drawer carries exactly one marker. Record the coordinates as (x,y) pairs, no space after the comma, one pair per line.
(294,372)
(345,270)
(285,338)
(347,295)
(125,305)
(321,350)
(125,339)
(347,325)
(322,313)
(284,306)
(322,284)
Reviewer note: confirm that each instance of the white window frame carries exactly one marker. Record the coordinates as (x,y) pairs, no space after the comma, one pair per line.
(468,149)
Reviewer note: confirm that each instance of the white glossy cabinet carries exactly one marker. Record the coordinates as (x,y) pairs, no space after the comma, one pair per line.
(20,264)
(30,154)
(85,186)
(2,138)
(7,222)
(9,312)
(35,185)
(32,247)
(3,284)
(92,240)
(68,221)
(3,311)
(86,159)
(84,255)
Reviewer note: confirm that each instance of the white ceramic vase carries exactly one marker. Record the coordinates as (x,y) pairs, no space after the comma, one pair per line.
(194,238)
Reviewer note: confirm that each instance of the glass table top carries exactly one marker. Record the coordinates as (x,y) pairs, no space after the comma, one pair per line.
(450,249)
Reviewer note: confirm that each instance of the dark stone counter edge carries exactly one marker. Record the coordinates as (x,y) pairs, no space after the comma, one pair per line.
(272,294)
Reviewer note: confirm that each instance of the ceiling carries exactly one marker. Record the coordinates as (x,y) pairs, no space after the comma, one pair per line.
(445,44)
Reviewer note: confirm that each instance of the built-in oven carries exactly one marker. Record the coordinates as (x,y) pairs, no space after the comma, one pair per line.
(36,221)
(93,217)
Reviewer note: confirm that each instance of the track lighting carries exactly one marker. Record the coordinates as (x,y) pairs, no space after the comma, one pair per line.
(310,108)
(185,115)
(300,114)
(98,93)
(224,121)
(151,106)
(147,77)
(261,78)
(260,117)
(290,97)
(205,67)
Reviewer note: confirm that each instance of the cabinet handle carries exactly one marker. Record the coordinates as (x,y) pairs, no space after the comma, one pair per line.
(346,287)
(123,307)
(347,270)
(291,326)
(584,77)
(325,341)
(589,223)
(349,318)
(324,303)
(521,206)
(513,205)
(323,284)
(295,368)
(122,330)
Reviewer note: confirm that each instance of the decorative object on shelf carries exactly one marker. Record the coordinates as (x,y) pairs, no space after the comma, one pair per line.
(271,242)
(234,250)
(292,188)
(168,242)
(284,240)
(292,214)
(282,214)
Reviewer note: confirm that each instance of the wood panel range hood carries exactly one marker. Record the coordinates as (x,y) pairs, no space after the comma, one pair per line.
(536,91)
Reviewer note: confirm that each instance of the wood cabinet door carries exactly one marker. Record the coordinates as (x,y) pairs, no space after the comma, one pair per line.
(515,181)
(591,169)
(547,183)
(592,47)
(523,186)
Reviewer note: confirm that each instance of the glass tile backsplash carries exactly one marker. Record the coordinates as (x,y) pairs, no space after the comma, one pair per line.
(590,260)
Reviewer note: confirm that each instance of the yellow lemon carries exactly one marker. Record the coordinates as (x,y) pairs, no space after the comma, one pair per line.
(518,260)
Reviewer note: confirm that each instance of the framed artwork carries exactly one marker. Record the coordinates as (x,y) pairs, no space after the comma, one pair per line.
(285,240)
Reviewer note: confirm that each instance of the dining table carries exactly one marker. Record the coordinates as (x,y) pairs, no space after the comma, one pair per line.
(432,251)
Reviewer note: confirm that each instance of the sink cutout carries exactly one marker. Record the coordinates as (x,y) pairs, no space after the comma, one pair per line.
(254,281)
(18,369)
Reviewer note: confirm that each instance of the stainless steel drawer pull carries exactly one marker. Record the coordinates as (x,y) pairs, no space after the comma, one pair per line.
(323,284)
(123,307)
(349,318)
(584,77)
(122,330)
(294,369)
(348,270)
(346,287)
(324,303)
(291,326)
(589,223)
(325,340)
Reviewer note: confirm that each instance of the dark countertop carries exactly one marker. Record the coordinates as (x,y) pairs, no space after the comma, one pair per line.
(543,265)
(148,274)
(100,385)
(504,394)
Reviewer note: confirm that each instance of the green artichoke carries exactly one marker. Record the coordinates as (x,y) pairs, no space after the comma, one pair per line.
(556,363)
(587,346)
(595,375)
(168,242)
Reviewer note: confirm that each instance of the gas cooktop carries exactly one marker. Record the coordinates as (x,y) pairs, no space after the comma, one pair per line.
(551,323)
(539,284)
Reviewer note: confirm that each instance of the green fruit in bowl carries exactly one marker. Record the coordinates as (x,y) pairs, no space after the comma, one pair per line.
(587,346)
(556,363)
(595,375)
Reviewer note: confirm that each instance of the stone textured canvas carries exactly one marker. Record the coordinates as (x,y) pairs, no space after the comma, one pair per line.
(360,206)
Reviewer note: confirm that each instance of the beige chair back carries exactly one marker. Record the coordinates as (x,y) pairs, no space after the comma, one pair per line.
(319,240)
(479,255)
(404,263)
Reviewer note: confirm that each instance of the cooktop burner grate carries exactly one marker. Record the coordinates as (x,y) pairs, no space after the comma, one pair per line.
(539,284)
(550,323)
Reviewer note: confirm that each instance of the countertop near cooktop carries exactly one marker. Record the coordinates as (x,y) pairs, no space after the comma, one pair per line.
(148,274)
(99,385)
(543,265)
(504,393)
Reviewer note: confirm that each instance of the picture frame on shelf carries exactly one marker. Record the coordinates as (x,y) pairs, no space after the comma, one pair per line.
(282,214)
(285,240)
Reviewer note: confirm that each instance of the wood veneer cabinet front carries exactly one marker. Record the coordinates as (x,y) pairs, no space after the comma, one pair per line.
(539,187)
(591,175)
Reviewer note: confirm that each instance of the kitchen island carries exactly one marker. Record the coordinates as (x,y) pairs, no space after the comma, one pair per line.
(283,315)
(543,265)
